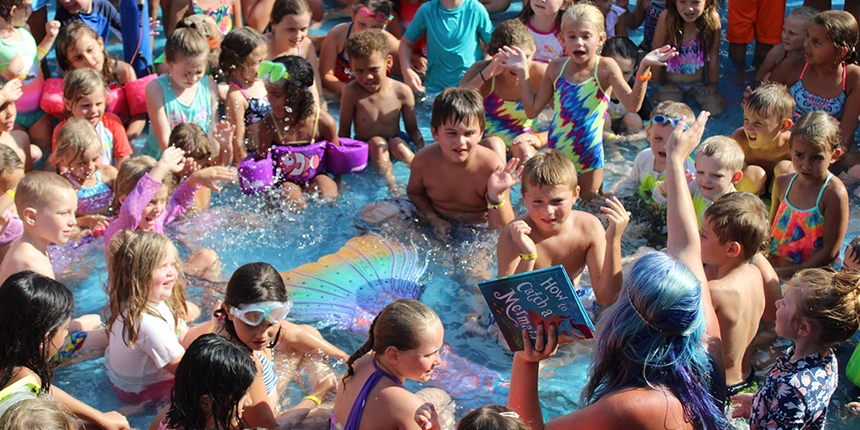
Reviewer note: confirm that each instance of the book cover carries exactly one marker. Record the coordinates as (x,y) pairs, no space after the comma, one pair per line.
(524,300)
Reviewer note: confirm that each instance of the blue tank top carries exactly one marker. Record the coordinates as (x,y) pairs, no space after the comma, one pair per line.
(199,111)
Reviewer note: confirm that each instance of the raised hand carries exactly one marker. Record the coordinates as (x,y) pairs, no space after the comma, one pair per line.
(223,133)
(541,350)
(520,231)
(743,403)
(210,176)
(12,91)
(52,28)
(414,81)
(513,58)
(682,142)
(659,56)
(172,159)
(503,178)
(618,218)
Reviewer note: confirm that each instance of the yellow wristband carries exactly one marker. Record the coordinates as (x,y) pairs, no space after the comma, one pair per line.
(11,193)
(41,50)
(660,188)
(491,205)
(314,399)
(532,256)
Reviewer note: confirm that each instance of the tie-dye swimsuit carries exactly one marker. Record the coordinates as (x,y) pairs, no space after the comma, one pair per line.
(222,15)
(580,111)
(797,233)
(505,119)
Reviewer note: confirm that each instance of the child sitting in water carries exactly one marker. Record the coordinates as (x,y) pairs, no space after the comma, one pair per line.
(820,310)
(190,138)
(794,30)
(459,180)
(374,104)
(552,233)
(732,231)
(78,152)
(84,98)
(141,201)
(719,161)
(507,128)
(809,210)
(297,126)
(622,121)
(649,168)
(764,136)
(247,103)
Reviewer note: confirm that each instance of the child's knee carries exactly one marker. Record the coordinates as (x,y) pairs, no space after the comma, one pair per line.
(632,122)
(782,168)
(85,323)
(377,147)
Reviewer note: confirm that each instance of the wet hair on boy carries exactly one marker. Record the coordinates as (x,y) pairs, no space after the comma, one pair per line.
(548,168)
(724,150)
(458,105)
(511,33)
(740,217)
(770,100)
(191,138)
(367,43)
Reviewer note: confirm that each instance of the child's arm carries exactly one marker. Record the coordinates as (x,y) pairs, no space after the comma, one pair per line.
(347,110)
(714,56)
(533,102)
(850,121)
(311,56)
(684,243)
(635,19)
(410,122)
(52,29)
(106,420)
(264,137)
(157,115)
(222,136)
(121,146)
(661,37)
(417,193)
(308,340)
(328,59)
(178,11)
(327,128)
(183,198)
(172,160)
(772,289)
(234,109)
(632,98)
(514,241)
(609,284)
(237,15)
(774,56)
(498,193)
(776,196)
(410,77)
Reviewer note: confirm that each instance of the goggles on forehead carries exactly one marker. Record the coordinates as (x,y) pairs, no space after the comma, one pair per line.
(663,119)
(253,314)
(379,16)
(273,73)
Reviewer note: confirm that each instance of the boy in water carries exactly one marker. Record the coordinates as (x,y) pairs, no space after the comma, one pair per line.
(719,161)
(764,136)
(458,180)
(553,233)
(374,103)
(733,230)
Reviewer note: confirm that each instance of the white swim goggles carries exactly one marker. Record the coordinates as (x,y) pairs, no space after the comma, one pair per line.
(254,313)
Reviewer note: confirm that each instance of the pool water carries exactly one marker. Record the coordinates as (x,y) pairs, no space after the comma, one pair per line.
(246,229)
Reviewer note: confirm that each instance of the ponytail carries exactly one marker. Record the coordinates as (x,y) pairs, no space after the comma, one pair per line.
(360,352)
(831,301)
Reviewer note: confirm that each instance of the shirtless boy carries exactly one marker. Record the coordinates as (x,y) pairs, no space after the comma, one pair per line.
(733,230)
(552,233)
(764,136)
(457,180)
(374,103)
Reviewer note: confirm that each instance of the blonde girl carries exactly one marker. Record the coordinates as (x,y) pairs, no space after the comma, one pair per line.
(580,86)
(78,46)
(820,309)
(288,35)
(84,98)
(544,23)
(693,28)
(247,103)
(184,94)
(145,199)
(507,127)
(78,152)
(147,329)
(812,201)
(11,172)
(827,78)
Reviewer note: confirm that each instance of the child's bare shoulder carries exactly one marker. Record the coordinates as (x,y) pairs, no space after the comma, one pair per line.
(403,92)
(586,223)
(23,256)
(427,154)
(835,189)
(852,79)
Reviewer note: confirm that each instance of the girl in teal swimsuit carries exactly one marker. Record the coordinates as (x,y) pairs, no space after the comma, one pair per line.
(580,89)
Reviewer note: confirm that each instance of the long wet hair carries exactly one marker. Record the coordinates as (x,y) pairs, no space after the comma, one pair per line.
(33,307)
(132,259)
(399,325)
(68,34)
(652,336)
(252,283)
(215,367)
(708,25)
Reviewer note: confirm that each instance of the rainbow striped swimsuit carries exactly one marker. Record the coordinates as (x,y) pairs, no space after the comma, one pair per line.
(577,124)
(797,233)
(505,119)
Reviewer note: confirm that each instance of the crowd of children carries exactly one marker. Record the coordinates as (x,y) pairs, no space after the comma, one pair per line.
(675,339)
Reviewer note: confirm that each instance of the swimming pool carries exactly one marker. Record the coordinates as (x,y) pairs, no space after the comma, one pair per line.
(244,229)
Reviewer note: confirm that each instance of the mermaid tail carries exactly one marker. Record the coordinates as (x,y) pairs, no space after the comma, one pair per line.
(347,289)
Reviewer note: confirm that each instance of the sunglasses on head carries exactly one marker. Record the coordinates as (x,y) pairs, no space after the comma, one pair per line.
(663,119)
(253,314)
(379,16)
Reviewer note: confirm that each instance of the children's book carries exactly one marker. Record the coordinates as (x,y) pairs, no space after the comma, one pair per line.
(524,300)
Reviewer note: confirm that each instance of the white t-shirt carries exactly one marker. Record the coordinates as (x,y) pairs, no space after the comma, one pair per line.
(643,167)
(547,45)
(132,369)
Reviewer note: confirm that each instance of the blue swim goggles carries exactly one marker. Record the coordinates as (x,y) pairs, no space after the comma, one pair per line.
(254,313)
(663,119)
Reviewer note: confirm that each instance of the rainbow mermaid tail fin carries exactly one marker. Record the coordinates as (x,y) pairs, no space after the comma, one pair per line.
(346,290)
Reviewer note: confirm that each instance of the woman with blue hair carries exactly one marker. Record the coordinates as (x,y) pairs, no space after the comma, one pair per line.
(654,365)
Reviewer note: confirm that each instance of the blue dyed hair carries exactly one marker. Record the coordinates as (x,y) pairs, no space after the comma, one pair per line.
(652,336)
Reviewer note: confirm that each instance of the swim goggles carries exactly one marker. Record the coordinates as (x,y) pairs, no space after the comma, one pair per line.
(273,73)
(663,119)
(379,16)
(254,313)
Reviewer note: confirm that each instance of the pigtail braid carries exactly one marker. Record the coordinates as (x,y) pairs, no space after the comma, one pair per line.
(360,352)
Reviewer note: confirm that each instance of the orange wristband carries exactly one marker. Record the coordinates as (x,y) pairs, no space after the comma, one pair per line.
(645,78)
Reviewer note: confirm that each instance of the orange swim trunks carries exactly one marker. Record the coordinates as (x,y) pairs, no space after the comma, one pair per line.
(755,19)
